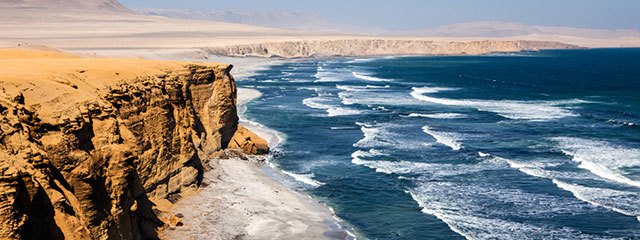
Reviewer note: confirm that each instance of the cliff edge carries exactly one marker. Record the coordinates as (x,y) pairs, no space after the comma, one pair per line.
(92,147)
(380,47)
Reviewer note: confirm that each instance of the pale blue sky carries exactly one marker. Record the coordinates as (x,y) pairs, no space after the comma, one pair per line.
(412,14)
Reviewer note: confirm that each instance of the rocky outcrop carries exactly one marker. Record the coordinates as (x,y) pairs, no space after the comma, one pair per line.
(92,147)
(372,47)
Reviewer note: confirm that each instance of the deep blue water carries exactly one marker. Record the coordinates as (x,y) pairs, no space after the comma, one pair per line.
(541,145)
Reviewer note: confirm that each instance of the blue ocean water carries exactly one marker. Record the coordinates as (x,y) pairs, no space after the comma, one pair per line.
(539,145)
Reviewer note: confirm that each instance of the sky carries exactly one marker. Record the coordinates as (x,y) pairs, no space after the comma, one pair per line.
(417,14)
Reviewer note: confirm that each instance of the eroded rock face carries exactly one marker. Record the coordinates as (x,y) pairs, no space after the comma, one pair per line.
(380,47)
(97,174)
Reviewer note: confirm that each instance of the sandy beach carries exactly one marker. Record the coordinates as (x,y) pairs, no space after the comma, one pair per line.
(242,199)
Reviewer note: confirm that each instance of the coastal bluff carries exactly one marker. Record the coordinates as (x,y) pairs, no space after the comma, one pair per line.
(381,47)
(92,148)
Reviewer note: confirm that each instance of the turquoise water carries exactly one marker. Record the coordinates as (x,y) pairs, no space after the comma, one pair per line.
(540,145)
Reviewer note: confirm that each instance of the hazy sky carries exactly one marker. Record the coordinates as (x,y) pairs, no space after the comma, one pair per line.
(411,14)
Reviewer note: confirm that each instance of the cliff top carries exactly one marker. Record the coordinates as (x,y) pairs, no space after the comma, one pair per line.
(54,82)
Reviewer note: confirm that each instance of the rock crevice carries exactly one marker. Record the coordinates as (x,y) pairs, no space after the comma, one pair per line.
(98,168)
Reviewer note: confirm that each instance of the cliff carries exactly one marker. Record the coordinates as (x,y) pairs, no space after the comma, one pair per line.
(91,148)
(372,47)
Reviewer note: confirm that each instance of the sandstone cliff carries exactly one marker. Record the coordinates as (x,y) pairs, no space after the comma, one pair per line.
(91,146)
(373,47)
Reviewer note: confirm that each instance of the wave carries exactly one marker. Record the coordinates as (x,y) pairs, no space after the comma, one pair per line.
(366,77)
(439,115)
(366,60)
(373,95)
(353,88)
(602,159)
(624,202)
(362,60)
(332,111)
(467,210)
(622,122)
(518,110)
(373,136)
(445,138)
(323,75)
(376,135)
(304,178)
(478,209)
(431,170)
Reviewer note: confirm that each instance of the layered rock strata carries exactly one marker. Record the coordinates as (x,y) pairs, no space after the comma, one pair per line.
(373,47)
(91,147)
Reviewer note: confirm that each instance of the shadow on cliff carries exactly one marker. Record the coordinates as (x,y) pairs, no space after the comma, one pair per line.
(40,224)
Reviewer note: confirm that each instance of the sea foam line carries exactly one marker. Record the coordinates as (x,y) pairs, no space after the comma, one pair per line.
(304,178)
(332,111)
(439,115)
(624,202)
(618,201)
(366,77)
(601,158)
(518,110)
(445,138)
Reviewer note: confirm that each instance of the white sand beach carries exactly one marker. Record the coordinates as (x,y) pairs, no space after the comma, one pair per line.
(240,198)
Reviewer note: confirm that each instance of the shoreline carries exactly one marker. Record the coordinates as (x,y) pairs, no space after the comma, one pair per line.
(250,199)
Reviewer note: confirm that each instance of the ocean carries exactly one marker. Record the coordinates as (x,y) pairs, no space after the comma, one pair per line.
(533,145)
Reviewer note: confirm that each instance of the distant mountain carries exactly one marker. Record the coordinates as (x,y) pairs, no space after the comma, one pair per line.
(510,29)
(300,20)
(92,5)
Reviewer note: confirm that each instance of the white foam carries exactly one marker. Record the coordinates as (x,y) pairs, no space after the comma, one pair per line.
(362,60)
(338,111)
(374,136)
(602,159)
(439,115)
(432,170)
(540,169)
(304,178)
(470,210)
(366,77)
(341,128)
(624,202)
(481,154)
(317,103)
(323,75)
(353,88)
(519,110)
(373,95)
(446,138)
(332,111)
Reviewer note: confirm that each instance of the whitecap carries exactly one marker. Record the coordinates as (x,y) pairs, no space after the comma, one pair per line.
(624,202)
(323,75)
(518,110)
(373,95)
(439,115)
(463,209)
(332,110)
(602,159)
(362,60)
(481,154)
(366,77)
(446,138)
(431,170)
(374,136)
(304,178)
